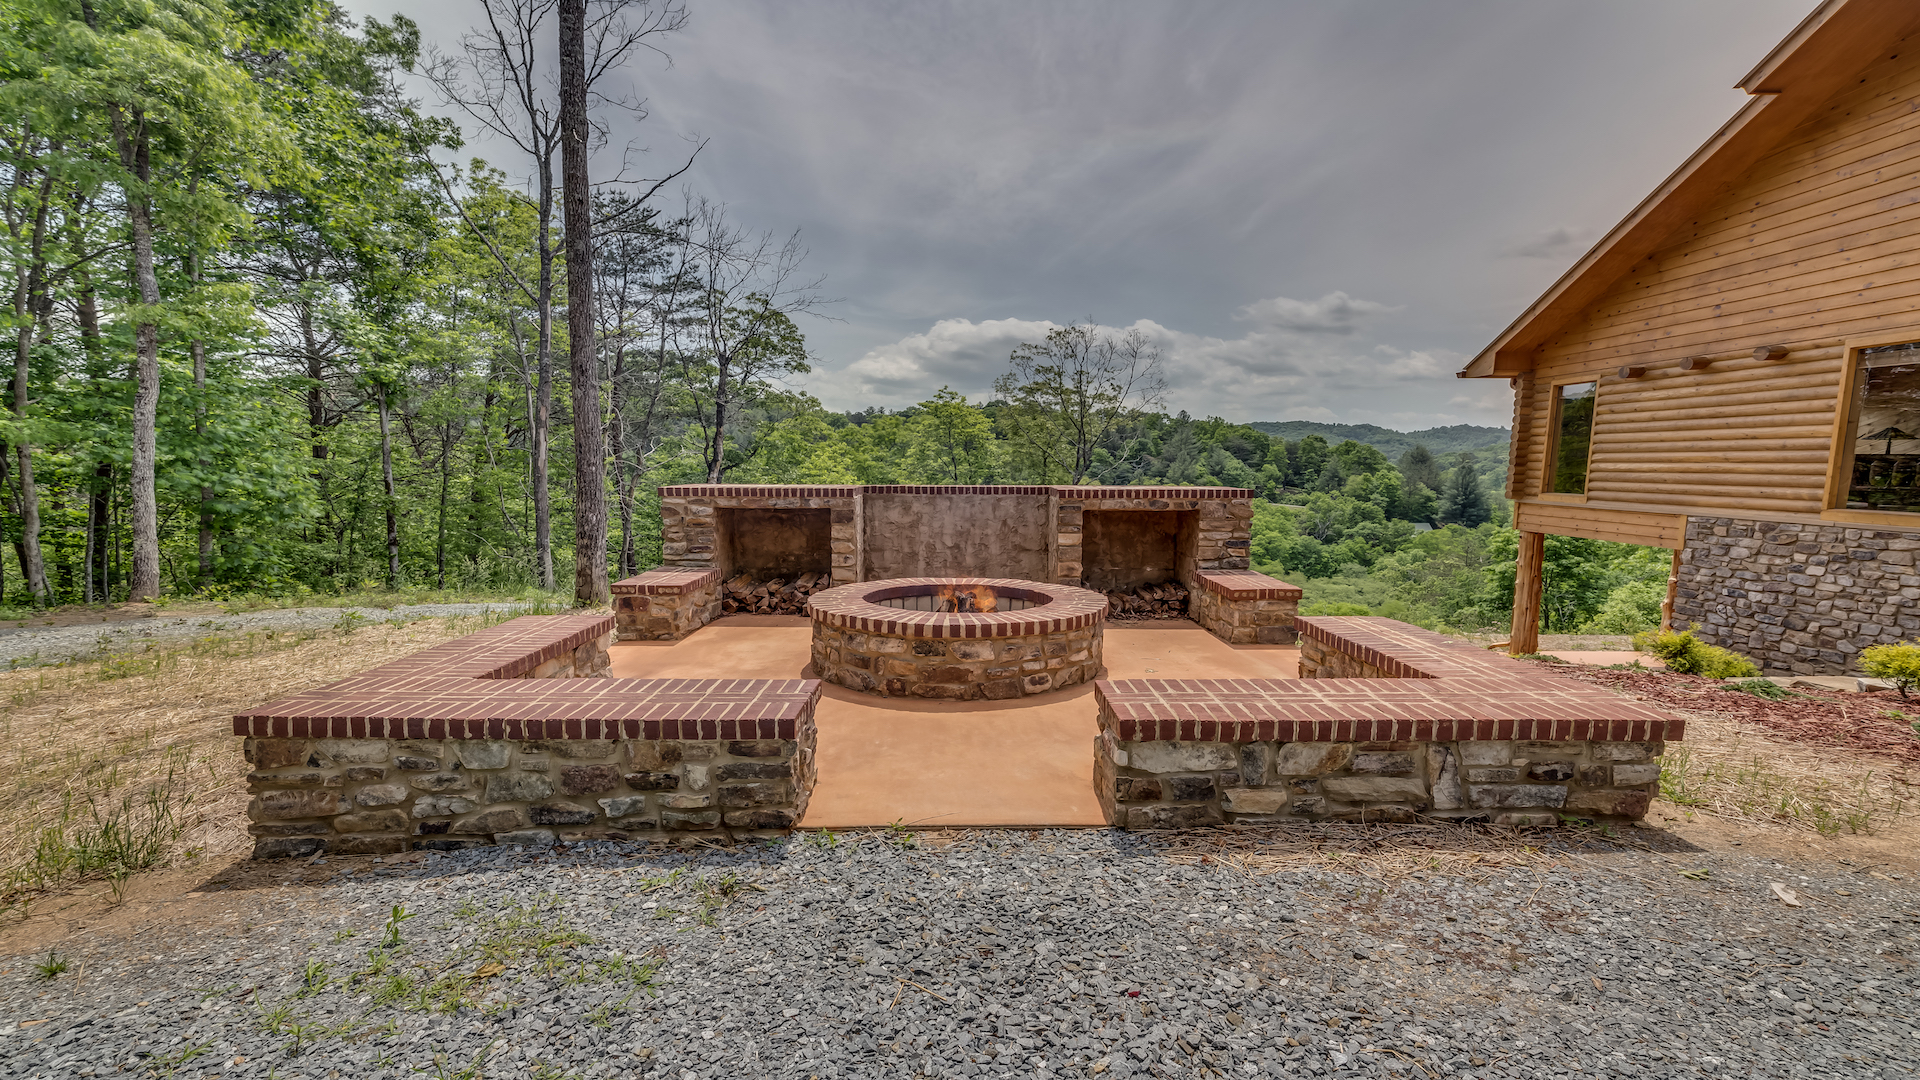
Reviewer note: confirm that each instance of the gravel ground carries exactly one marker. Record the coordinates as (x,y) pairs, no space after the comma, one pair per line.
(1048,954)
(30,645)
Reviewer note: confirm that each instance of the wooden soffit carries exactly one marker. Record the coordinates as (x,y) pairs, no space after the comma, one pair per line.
(1824,54)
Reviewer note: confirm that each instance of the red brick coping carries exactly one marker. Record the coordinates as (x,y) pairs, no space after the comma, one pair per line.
(848,491)
(665,582)
(1247,585)
(1445,691)
(1058,609)
(1118,492)
(468,689)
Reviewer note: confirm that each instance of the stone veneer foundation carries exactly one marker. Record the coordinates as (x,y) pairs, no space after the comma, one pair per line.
(1388,722)
(862,645)
(1798,598)
(515,735)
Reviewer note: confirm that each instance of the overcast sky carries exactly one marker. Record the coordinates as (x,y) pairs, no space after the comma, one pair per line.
(1318,209)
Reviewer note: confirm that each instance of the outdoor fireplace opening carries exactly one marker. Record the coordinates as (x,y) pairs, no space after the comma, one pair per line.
(771,560)
(1141,559)
(963,638)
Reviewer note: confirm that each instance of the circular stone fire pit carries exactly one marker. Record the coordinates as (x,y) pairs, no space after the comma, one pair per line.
(963,638)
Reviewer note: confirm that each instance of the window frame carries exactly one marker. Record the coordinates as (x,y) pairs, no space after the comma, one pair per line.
(1840,451)
(1547,466)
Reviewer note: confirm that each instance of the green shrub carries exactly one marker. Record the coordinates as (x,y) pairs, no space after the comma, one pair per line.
(1334,607)
(1898,664)
(1629,609)
(1689,655)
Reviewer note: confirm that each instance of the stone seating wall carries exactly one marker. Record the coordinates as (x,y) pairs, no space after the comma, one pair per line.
(1387,723)
(665,604)
(516,735)
(1242,607)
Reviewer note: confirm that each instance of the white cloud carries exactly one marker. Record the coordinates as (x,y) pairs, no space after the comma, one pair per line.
(1289,366)
(1334,313)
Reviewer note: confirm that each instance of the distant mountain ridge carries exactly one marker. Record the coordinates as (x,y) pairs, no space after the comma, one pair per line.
(1441,440)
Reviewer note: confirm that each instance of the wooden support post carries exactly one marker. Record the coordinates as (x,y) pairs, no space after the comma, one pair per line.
(1673,586)
(1526,595)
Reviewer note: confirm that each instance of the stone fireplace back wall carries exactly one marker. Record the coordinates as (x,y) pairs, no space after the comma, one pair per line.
(1125,549)
(771,543)
(999,535)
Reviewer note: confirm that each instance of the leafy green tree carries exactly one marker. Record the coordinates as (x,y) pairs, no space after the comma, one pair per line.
(1419,465)
(1306,460)
(1463,501)
(950,441)
(1069,394)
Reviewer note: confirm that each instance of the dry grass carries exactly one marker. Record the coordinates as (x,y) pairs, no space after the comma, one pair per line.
(1737,772)
(117,765)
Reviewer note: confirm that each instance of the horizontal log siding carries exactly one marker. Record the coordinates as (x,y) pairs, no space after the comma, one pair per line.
(1816,245)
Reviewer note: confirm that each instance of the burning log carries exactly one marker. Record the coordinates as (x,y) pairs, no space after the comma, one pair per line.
(1168,601)
(746,595)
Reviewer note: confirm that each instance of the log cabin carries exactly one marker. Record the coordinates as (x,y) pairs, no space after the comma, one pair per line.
(1733,372)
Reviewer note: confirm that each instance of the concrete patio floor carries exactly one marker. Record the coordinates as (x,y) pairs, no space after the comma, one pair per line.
(933,763)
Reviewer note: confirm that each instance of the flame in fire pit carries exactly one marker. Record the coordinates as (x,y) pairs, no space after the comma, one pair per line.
(965,598)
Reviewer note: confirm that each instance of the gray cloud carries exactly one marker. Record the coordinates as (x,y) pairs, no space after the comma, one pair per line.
(1559,245)
(967,173)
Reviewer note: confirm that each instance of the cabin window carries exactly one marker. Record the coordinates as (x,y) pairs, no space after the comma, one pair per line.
(1885,472)
(1572,437)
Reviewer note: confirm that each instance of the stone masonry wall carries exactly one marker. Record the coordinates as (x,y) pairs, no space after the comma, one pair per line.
(377,796)
(1171,785)
(963,668)
(687,521)
(665,605)
(1245,608)
(1798,598)
(1223,540)
(1387,723)
(515,734)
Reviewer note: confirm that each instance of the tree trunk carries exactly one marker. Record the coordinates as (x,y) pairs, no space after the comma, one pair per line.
(144,582)
(589,436)
(199,350)
(717,459)
(617,450)
(98,588)
(32,563)
(386,480)
(543,387)
(99,526)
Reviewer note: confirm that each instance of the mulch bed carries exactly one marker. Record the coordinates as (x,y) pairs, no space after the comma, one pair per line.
(1854,721)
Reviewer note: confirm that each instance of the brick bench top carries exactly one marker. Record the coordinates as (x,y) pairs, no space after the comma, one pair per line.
(506,651)
(665,582)
(1247,585)
(466,689)
(1449,691)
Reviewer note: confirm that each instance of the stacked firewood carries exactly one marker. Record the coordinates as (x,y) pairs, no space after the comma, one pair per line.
(746,595)
(1167,601)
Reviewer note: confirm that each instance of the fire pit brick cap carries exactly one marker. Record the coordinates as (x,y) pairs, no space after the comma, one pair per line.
(665,582)
(847,608)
